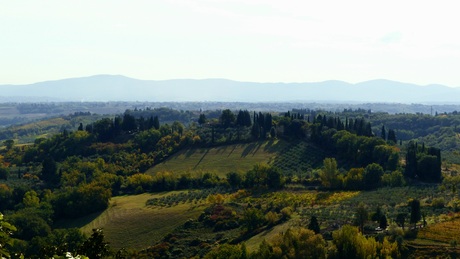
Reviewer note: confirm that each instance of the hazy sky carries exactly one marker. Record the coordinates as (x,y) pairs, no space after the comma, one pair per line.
(245,40)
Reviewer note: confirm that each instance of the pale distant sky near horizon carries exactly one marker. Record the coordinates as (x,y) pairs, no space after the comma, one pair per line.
(251,40)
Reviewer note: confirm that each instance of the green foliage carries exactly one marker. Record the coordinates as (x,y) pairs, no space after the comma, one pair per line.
(235,179)
(423,163)
(294,243)
(243,119)
(31,199)
(49,171)
(372,176)
(202,120)
(227,251)
(264,176)
(58,242)
(393,179)
(352,244)
(6,230)
(330,177)
(252,219)
(4,173)
(354,179)
(361,216)
(227,118)
(9,143)
(146,140)
(95,246)
(29,225)
(81,200)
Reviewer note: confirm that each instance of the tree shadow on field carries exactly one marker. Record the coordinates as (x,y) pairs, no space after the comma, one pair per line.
(231,151)
(190,152)
(249,149)
(273,146)
(201,159)
(77,222)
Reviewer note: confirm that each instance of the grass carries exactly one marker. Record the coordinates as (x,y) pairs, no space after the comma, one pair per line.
(442,232)
(129,223)
(223,159)
(254,242)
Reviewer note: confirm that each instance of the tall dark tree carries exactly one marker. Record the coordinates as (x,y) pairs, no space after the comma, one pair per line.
(202,119)
(383,134)
(314,225)
(415,212)
(150,123)
(129,123)
(142,124)
(273,132)
(117,129)
(49,171)
(243,119)
(401,219)
(383,222)
(255,130)
(362,215)
(377,214)
(227,118)
(156,122)
(268,121)
(411,160)
(392,136)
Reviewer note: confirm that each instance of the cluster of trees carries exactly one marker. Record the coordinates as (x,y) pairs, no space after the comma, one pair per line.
(354,142)
(370,177)
(423,163)
(322,123)
(261,176)
(347,242)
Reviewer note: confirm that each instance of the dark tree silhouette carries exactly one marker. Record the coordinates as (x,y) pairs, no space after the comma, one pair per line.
(314,225)
(227,118)
(415,212)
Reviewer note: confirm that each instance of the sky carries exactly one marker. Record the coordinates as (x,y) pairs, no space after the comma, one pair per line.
(244,40)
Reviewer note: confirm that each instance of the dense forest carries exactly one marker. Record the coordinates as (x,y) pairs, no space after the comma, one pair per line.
(323,159)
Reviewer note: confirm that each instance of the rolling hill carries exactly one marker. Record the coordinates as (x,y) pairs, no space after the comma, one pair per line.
(121,88)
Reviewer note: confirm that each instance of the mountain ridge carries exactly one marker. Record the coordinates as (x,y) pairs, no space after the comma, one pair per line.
(123,88)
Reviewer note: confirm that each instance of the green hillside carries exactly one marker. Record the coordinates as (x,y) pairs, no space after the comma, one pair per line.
(130,223)
(222,159)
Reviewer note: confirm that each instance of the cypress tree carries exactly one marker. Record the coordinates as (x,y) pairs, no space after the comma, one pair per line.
(156,123)
(383,135)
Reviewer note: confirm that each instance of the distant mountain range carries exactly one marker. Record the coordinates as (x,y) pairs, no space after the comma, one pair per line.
(121,88)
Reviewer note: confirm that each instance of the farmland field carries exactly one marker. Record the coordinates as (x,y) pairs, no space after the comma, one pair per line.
(223,159)
(128,222)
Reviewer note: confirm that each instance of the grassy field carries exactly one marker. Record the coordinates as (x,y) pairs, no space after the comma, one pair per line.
(445,232)
(223,159)
(128,222)
(253,243)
